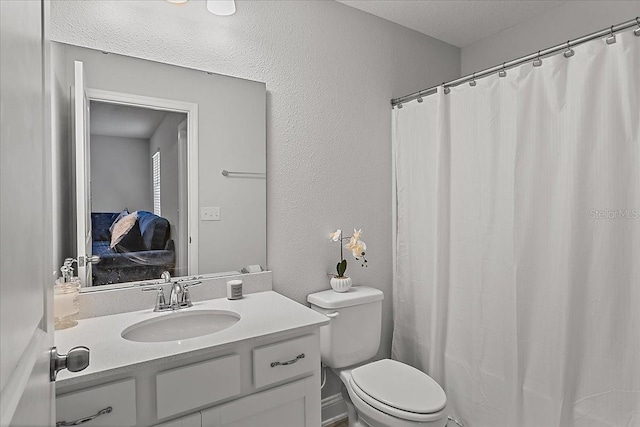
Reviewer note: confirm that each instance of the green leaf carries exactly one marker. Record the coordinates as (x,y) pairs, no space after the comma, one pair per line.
(342,267)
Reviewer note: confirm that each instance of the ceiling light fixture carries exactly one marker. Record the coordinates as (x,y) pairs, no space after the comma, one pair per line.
(221,7)
(177,1)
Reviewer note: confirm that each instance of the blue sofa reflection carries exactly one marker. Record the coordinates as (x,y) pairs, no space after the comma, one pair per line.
(156,255)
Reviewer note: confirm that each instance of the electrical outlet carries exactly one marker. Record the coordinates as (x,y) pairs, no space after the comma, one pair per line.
(210,214)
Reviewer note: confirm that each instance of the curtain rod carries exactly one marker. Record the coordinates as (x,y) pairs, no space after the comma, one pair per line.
(611,31)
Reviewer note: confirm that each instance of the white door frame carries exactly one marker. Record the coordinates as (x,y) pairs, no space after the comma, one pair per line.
(183,223)
(81,122)
(191,110)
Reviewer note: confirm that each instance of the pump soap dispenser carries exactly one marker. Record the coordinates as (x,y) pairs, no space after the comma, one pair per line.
(66,291)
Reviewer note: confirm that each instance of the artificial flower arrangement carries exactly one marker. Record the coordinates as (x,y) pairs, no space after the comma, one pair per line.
(340,282)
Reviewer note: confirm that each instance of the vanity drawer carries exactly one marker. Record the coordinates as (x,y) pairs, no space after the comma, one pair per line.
(286,359)
(188,387)
(120,396)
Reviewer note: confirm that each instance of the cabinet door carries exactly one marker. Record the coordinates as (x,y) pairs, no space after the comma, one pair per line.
(115,402)
(286,406)
(192,420)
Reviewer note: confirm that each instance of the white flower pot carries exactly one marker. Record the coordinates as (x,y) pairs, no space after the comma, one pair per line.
(341,284)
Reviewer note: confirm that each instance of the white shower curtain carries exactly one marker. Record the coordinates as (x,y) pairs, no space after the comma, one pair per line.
(517,274)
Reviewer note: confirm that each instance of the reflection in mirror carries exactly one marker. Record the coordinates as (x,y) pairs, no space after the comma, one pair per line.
(149,143)
(139,213)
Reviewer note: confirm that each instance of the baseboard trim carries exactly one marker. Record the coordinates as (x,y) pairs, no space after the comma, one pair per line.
(333,410)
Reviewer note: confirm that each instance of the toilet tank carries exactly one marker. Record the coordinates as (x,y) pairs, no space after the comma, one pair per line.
(353,336)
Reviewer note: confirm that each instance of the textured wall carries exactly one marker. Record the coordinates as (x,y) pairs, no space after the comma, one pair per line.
(570,20)
(330,72)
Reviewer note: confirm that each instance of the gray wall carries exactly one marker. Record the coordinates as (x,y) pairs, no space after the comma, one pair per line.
(568,21)
(120,174)
(331,72)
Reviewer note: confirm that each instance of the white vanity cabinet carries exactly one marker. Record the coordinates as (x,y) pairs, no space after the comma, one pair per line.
(274,382)
(111,404)
(264,371)
(290,405)
(192,420)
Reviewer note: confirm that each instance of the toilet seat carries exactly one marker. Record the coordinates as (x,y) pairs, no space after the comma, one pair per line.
(399,390)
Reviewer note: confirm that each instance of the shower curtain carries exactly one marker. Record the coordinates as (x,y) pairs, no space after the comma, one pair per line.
(517,245)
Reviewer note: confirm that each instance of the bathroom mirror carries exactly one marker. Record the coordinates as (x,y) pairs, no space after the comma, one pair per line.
(166,168)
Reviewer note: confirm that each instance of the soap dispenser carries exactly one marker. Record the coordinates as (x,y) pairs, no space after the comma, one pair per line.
(66,292)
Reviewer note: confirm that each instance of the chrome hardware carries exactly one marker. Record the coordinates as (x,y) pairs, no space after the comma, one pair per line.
(333,315)
(179,296)
(288,362)
(176,292)
(637,30)
(160,301)
(185,291)
(75,360)
(472,82)
(538,61)
(503,72)
(77,422)
(569,52)
(612,37)
(229,173)
(88,259)
(399,106)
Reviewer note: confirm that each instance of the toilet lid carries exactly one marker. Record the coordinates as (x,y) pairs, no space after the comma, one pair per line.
(400,386)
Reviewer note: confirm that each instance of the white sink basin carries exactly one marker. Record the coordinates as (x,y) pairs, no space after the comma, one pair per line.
(181,325)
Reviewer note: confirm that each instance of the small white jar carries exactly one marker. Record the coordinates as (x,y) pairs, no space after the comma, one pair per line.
(234,289)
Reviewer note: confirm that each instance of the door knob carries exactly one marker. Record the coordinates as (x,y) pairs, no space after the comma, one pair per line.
(75,360)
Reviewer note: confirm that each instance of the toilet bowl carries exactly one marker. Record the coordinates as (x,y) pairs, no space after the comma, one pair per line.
(383,393)
(387,393)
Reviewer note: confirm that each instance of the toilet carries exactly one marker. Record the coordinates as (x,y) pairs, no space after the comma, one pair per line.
(384,393)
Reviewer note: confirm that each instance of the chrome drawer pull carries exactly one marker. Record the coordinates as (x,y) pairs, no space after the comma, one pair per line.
(288,362)
(84,420)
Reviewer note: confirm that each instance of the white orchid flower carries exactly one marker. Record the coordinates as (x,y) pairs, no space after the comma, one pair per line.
(357,247)
(336,235)
(357,234)
(359,250)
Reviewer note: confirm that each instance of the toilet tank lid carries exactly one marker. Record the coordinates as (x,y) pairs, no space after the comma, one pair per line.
(355,296)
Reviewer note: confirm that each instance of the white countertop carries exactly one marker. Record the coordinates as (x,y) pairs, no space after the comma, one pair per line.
(262,315)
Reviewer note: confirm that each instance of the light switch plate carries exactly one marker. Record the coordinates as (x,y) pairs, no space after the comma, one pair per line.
(209,214)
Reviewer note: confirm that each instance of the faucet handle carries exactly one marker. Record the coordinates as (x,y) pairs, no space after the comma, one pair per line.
(166,276)
(190,284)
(186,297)
(160,301)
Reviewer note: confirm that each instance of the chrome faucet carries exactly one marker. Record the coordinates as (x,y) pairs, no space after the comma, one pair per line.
(179,297)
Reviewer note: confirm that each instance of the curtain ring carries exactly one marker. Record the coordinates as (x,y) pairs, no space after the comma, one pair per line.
(538,61)
(637,30)
(503,72)
(446,88)
(612,38)
(569,52)
(472,82)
